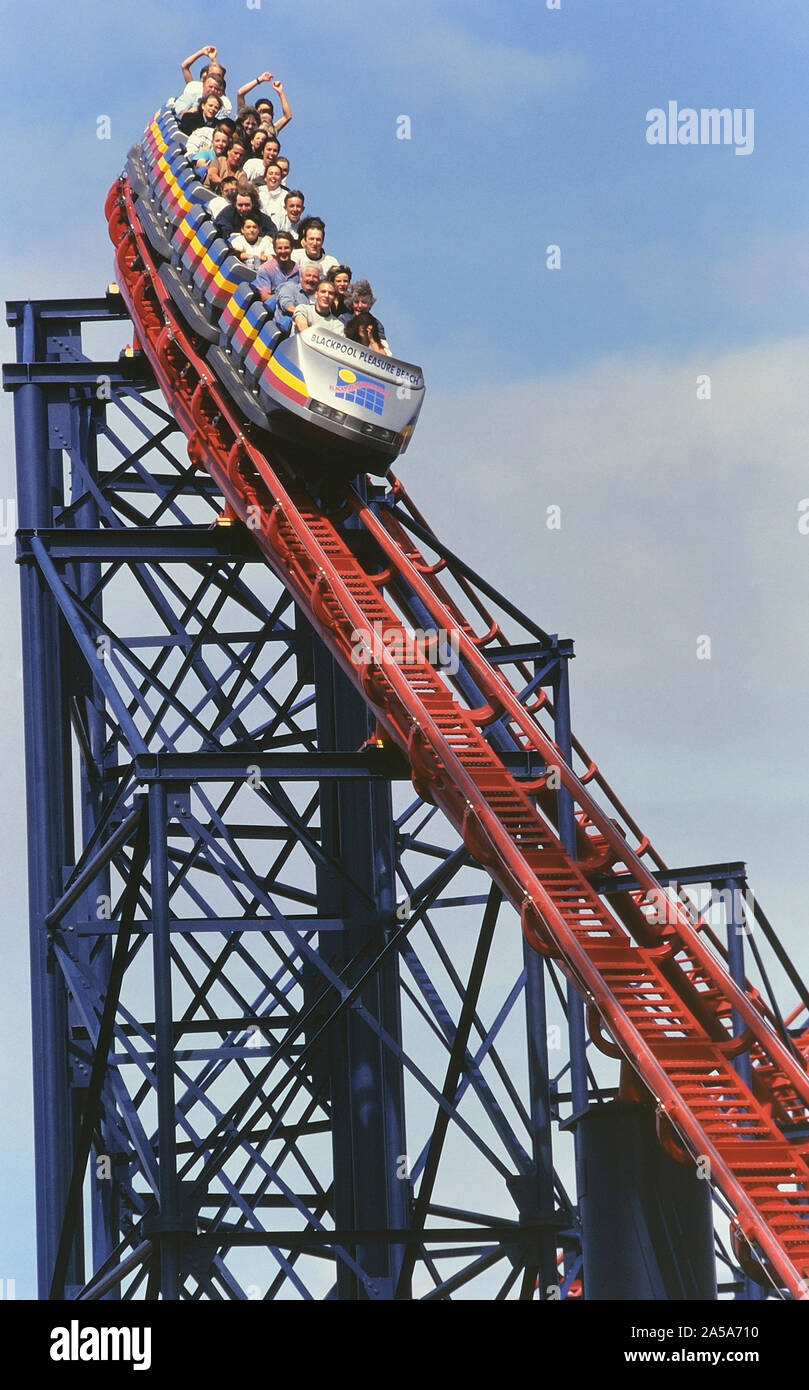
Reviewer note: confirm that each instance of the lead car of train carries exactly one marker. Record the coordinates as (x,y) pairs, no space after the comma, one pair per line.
(323,398)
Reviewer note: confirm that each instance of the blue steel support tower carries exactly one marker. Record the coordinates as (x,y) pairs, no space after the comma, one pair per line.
(288,1040)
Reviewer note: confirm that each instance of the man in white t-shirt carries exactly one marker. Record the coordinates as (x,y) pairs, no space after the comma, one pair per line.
(319,314)
(310,251)
(292,214)
(193,94)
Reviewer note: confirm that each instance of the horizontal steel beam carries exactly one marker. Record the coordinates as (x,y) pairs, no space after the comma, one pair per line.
(735,871)
(382,763)
(131,482)
(530,651)
(190,926)
(89,310)
(126,371)
(502,1232)
(158,545)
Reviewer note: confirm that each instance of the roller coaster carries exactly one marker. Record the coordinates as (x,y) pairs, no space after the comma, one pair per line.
(294,389)
(480,738)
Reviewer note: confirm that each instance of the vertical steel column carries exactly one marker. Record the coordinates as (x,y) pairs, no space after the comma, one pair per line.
(89,713)
(371,1190)
(647,1232)
(735,927)
(168,1225)
(577,1037)
(567,834)
(49,822)
(540,1113)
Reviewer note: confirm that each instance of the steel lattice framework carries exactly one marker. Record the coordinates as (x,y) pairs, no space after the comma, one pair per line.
(289,1040)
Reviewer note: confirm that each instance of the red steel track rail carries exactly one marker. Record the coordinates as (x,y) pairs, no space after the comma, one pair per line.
(663,993)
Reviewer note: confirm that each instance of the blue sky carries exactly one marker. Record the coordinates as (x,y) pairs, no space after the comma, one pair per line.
(574,387)
(527,129)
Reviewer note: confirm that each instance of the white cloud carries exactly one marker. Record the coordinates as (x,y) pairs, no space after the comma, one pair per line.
(476,67)
(680,518)
(768,277)
(450,57)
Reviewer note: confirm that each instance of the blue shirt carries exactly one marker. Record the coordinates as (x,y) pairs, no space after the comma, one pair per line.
(290,296)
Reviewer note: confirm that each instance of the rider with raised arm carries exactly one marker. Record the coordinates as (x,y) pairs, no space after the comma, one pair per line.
(278,87)
(212,77)
(208,51)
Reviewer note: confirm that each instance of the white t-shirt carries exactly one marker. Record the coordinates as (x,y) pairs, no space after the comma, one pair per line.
(324,264)
(191,95)
(316,320)
(200,140)
(253,169)
(261,250)
(272,202)
(283,223)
